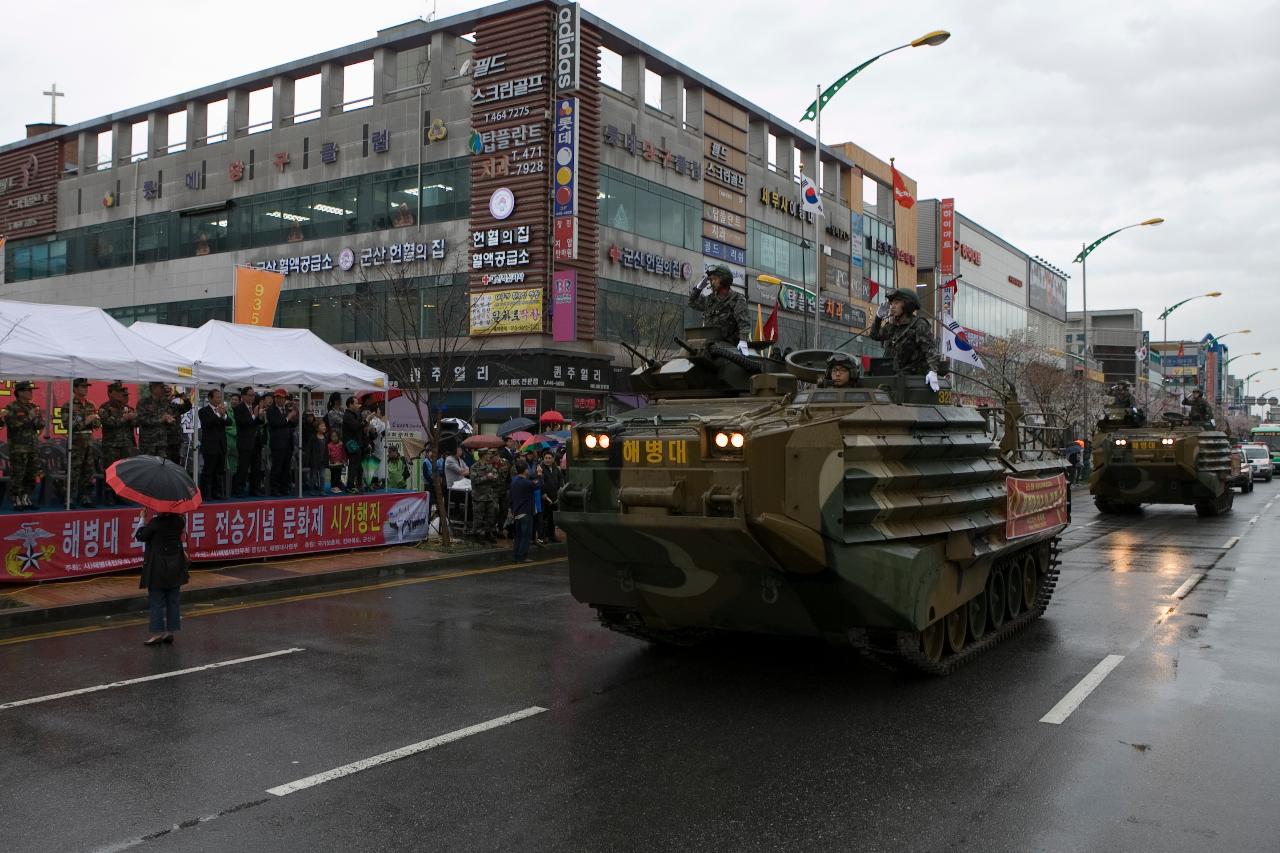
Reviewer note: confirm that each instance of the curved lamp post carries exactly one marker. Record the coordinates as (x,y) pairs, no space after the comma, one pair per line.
(1175,306)
(814,114)
(1086,249)
(1249,378)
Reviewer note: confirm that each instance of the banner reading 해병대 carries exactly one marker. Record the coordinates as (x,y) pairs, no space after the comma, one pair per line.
(257,292)
(76,544)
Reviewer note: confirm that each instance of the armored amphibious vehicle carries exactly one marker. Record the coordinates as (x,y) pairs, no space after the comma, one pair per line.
(739,499)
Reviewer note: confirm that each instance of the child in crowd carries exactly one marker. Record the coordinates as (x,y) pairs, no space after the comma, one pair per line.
(315,457)
(337,458)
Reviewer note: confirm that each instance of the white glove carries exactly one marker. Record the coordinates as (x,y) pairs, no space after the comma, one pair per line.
(932,378)
(743,348)
(883,311)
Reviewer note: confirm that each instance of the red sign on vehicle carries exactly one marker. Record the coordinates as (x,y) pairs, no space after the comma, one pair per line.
(1035,505)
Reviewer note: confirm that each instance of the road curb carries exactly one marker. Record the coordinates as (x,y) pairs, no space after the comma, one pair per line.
(137,604)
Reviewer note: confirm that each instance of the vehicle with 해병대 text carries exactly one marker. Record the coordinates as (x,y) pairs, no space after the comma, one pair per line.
(1174,462)
(873,514)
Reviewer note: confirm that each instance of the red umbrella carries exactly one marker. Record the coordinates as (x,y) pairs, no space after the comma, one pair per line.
(520,436)
(552,417)
(155,483)
(477,442)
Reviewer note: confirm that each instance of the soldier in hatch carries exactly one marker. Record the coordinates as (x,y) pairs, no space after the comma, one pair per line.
(1200,412)
(842,372)
(908,338)
(723,309)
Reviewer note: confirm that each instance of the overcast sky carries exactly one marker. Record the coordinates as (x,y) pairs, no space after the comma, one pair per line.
(1050,122)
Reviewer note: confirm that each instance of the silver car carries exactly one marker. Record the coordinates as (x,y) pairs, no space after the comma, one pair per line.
(1259,458)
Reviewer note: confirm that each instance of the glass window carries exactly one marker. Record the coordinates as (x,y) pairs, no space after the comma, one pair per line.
(648,215)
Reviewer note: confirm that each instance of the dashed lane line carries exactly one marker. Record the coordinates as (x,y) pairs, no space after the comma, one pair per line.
(1059,713)
(1230,543)
(1254,520)
(1190,584)
(402,752)
(157,677)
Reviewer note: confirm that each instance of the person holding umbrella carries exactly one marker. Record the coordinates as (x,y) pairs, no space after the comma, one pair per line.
(162,487)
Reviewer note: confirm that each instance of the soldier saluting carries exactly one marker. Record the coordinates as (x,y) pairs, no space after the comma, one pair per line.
(81,418)
(25,422)
(724,309)
(117,429)
(1200,411)
(908,338)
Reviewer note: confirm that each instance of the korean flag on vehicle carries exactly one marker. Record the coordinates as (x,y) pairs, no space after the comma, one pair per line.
(955,343)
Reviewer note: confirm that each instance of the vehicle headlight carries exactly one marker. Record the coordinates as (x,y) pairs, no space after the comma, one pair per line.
(590,441)
(1167,441)
(1122,442)
(604,442)
(728,441)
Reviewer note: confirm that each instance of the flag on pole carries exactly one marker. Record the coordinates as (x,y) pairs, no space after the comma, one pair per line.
(873,289)
(900,193)
(1182,348)
(955,342)
(809,195)
(256,293)
(771,325)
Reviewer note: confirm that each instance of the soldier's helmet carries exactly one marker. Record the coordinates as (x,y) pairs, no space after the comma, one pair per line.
(1197,392)
(117,386)
(721,272)
(24,385)
(912,302)
(841,359)
(81,383)
(1122,384)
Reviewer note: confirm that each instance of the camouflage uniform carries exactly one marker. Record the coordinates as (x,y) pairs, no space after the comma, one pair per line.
(1122,397)
(153,432)
(81,419)
(25,421)
(910,345)
(117,435)
(1200,411)
(728,315)
(486,480)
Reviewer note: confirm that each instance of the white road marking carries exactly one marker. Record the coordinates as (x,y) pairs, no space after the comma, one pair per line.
(1254,520)
(1081,691)
(1268,506)
(1230,543)
(1189,585)
(1091,523)
(402,752)
(6,706)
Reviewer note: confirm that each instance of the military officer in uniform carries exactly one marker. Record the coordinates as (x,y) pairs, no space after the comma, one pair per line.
(25,421)
(908,338)
(81,419)
(723,309)
(153,420)
(841,371)
(117,419)
(1200,411)
(486,480)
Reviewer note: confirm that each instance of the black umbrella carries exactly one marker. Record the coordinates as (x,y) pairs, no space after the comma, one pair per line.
(515,425)
(155,483)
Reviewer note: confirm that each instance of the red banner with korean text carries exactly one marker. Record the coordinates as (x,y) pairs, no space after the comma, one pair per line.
(947,237)
(48,545)
(1035,505)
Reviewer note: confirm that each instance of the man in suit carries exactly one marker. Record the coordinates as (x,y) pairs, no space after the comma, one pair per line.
(213,447)
(248,417)
(281,425)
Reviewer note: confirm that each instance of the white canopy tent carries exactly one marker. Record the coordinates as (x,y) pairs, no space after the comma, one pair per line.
(62,342)
(234,354)
(231,354)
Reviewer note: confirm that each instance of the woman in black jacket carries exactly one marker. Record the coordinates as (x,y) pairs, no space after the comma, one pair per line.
(164,571)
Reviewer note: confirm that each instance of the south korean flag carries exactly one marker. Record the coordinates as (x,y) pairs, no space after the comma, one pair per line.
(955,342)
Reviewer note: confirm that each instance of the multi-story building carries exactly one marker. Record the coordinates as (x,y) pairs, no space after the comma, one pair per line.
(525,180)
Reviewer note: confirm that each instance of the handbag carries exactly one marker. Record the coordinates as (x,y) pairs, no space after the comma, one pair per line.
(352,445)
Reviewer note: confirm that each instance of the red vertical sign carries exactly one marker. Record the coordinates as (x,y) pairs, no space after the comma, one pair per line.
(947,238)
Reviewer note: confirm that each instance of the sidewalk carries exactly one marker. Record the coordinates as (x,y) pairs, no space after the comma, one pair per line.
(55,601)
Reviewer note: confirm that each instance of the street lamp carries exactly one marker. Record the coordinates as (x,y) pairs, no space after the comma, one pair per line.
(1249,378)
(1175,306)
(1241,355)
(814,114)
(1236,332)
(1084,288)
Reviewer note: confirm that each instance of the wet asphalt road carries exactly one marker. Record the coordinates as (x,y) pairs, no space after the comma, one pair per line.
(742,745)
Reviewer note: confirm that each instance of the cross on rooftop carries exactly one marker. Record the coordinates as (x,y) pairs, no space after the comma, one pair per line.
(54,94)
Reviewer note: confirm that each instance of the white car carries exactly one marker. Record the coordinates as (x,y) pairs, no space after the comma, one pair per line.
(1259,458)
